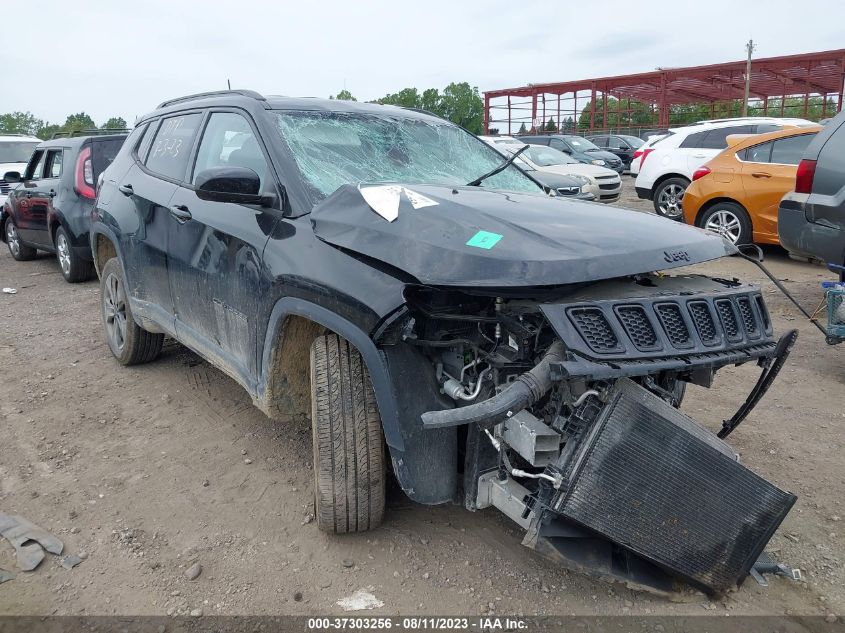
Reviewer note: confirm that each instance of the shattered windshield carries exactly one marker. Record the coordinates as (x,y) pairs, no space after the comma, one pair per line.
(332,149)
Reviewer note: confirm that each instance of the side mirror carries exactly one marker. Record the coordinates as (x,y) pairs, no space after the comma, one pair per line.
(239,185)
(12,177)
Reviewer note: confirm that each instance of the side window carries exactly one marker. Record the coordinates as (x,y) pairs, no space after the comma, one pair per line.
(757,153)
(142,143)
(695,140)
(54,163)
(600,141)
(718,138)
(36,166)
(559,144)
(228,141)
(172,144)
(789,150)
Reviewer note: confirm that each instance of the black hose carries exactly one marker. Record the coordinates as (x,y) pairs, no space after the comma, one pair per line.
(521,393)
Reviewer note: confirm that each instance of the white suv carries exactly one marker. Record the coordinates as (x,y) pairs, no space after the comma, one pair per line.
(666,164)
(15,150)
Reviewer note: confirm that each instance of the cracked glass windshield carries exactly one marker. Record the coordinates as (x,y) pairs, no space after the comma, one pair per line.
(337,148)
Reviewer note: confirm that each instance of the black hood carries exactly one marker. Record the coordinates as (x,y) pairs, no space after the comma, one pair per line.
(480,237)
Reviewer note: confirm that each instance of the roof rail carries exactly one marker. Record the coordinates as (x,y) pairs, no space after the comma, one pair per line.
(92,132)
(214,93)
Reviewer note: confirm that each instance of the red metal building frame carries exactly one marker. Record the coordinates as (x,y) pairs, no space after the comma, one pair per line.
(810,74)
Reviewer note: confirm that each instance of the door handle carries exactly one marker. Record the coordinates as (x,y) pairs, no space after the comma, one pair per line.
(699,155)
(761,174)
(126,190)
(180,212)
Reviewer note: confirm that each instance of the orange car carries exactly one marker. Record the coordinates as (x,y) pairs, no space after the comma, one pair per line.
(738,192)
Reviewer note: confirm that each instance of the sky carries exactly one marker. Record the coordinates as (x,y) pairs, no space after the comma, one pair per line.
(117,58)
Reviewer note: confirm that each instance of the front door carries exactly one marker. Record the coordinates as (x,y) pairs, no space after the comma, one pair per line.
(30,209)
(42,196)
(215,250)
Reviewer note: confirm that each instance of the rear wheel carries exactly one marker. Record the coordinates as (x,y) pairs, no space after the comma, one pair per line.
(74,268)
(669,198)
(348,442)
(729,220)
(129,343)
(20,251)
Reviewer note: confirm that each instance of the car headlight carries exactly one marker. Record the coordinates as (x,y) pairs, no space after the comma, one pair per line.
(597,161)
(581,180)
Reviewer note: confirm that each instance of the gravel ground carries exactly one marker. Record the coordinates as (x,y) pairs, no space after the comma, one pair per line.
(154,473)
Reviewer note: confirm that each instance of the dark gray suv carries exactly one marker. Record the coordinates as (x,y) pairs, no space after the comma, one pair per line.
(811,219)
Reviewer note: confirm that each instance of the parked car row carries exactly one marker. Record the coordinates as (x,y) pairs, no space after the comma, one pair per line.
(546,164)
(50,207)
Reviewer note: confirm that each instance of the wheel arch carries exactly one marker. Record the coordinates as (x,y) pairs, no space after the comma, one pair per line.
(666,177)
(713,202)
(104,246)
(292,327)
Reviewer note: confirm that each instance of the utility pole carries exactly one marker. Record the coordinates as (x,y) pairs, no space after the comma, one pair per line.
(750,48)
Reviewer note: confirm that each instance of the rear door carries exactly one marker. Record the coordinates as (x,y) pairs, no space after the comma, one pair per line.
(30,209)
(160,165)
(44,193)
(768,173)
(702,146)
(215,250)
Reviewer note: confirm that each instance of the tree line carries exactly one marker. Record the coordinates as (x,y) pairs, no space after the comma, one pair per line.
(458,102)
(27,123)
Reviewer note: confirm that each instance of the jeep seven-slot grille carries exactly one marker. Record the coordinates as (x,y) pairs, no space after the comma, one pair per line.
(594,328)
(748,320)
(638,327)
(727,315)
(666,326)
(703,322)
(673,324)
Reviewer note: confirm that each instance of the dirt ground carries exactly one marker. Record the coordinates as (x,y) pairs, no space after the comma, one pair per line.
(148,470)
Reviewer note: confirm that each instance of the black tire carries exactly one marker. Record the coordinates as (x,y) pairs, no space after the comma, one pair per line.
(349,470)
(19,251)
(668,198)
(730,220)
(130,344)
(73,268)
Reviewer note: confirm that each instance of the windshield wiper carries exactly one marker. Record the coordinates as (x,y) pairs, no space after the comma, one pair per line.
(502,167)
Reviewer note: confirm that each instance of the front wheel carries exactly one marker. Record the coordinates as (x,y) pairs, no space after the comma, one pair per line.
(349,467)
(729,220)
(74,268)
(130,344)
(20,251)
(669,198)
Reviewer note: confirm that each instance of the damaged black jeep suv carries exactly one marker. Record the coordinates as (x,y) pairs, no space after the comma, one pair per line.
(438,314)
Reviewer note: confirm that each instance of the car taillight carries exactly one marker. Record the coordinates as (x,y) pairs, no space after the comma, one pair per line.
(646,152)
(84,182)
(638,153)
(804,176)
(700,173)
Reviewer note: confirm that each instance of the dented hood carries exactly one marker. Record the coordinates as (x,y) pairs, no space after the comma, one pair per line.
(470,236)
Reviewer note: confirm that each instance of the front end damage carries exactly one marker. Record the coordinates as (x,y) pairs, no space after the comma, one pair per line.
(566,400)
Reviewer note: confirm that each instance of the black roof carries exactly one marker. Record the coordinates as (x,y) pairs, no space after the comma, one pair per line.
(77,141)
(277,102)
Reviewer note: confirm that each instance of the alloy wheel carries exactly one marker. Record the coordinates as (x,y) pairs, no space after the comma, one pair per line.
(12,239)
(63,253)
(114,312)
(671,200)
(726,224)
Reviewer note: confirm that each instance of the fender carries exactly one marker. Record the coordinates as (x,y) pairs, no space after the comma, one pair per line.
(376,366)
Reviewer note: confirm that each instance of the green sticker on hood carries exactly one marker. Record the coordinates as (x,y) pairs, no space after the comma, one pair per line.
(484,239)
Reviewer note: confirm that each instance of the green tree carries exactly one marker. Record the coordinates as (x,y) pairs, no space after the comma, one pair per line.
(114,123)
(406,98)
(550,125)
(461,104)
(79,121)
(46,131)
(344,95)
(20,123)
(523,129)
(430,100)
